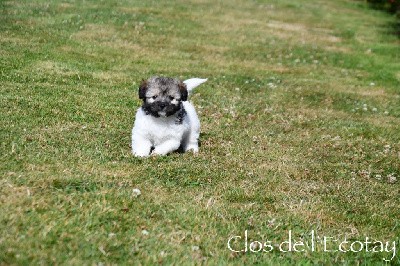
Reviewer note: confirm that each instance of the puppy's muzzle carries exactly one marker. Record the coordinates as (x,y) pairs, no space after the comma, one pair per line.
(162,105)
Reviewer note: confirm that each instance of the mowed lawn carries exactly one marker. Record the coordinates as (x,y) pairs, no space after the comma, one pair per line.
(300,132)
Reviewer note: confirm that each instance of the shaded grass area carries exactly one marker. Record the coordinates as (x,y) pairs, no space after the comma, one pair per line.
(300,131)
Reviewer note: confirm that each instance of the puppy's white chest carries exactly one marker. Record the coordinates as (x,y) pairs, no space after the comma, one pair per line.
(161,129)
(164,129)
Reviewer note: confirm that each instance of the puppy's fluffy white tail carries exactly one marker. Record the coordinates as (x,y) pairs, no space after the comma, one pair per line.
(193,83)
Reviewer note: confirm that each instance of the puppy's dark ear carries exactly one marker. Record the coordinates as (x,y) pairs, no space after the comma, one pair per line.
(184,91)
(142,90)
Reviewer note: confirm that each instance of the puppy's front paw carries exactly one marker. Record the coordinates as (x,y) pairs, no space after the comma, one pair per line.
(166,147)
(194,148)
(141,150)
(160,152)
(140,154)
(140,146)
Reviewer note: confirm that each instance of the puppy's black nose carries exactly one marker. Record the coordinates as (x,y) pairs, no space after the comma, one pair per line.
(162,104)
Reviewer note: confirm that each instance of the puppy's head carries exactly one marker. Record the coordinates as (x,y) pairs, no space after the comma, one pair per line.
(162,96)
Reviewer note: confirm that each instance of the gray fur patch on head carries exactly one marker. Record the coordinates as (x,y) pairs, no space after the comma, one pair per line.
(163,87)
(163,96)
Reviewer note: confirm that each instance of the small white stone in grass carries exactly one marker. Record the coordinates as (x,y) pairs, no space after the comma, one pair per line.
(271,222)
(372,84)
(386,112)
(364,173)
(374,109)
(392,178)
(145,232)
(195,248)
(365,108)
(210,202)
(136,192)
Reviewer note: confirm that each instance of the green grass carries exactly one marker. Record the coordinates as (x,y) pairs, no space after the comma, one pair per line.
(300,131)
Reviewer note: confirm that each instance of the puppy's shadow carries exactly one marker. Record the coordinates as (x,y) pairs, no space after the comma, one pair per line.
(180,149)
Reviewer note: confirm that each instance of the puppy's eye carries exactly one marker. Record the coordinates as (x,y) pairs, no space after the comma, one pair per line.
(154,97)
(171,98)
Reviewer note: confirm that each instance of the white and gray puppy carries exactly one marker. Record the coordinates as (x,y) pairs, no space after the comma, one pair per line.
(166,121)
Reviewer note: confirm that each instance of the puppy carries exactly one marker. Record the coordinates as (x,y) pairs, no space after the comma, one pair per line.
(166,121)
